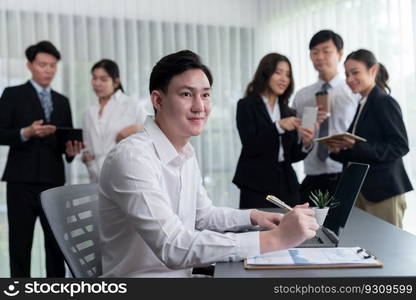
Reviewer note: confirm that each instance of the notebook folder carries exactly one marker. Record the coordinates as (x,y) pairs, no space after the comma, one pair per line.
(314,258)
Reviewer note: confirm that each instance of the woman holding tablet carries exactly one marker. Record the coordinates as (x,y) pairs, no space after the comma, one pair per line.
(379,121)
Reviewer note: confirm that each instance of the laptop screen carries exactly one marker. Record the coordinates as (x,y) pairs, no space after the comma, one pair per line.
(346,193)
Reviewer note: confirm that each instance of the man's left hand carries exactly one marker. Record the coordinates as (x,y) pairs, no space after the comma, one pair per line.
(73,148)
(265,219)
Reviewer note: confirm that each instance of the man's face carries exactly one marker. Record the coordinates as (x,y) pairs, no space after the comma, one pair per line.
(184,108)
(43,68)
(325,57)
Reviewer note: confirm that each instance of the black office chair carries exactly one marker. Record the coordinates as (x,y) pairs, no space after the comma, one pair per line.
(72,213)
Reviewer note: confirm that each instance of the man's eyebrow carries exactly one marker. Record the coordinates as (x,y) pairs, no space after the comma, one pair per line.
(193,88)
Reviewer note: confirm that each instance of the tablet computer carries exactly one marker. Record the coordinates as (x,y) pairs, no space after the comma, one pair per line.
(340,135)
(65,134)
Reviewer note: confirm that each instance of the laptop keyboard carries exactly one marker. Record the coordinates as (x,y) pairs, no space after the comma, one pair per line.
(313,241)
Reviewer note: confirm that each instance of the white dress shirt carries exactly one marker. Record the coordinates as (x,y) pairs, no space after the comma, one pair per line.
(343,107)
(156,218)
(100,132)
(275,116)
(363,101)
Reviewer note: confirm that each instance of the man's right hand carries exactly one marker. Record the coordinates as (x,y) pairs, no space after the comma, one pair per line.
(322,114)
(38,130)
(295,227)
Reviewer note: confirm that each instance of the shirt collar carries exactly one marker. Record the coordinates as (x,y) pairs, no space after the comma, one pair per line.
(272,113)
(333,82)
(38,88)
(164,148)
(117,95)
(265,100)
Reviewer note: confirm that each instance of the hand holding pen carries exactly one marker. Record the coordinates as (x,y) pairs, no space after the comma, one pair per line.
(296,226)
(276,201)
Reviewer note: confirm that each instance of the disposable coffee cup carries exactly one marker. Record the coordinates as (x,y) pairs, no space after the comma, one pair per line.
(323,100)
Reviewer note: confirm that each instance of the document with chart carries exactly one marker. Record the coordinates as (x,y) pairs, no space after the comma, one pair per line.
(338,257)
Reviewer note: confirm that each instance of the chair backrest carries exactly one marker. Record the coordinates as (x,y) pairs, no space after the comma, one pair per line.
(72,213)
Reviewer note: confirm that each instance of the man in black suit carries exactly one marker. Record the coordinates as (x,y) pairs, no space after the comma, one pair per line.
(29,116)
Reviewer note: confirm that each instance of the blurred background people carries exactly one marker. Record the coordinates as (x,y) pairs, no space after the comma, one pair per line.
(29,116)
(112,118)
(379,120)
(326,49)
(269,135)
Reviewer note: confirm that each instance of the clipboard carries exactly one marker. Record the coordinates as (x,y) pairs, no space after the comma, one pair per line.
(314,258)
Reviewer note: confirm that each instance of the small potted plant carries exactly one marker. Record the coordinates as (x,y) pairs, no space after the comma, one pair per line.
(322,201)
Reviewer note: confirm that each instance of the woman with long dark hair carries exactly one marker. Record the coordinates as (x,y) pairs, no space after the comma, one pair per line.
(115,116)
(378,120)
(269,131)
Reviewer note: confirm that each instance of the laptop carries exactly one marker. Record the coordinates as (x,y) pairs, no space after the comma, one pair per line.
(346,193)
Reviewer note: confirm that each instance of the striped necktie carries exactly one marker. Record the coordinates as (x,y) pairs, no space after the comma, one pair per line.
(46,102)
(322,151)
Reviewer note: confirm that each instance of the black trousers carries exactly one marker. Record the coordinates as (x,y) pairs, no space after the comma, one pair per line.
(324,182)
(23,207)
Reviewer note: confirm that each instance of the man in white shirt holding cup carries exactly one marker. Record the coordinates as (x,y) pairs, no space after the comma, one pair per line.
(337,106)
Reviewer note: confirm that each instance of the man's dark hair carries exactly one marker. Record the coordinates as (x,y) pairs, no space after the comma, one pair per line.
(175,64)
(42,47)
(324,36)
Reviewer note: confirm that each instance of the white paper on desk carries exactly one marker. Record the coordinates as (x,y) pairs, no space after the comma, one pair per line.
(309,116)
(312,256)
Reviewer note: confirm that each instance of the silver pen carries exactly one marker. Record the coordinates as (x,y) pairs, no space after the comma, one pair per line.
(278,202)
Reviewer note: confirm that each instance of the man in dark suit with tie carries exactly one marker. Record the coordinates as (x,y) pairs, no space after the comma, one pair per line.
(29,116)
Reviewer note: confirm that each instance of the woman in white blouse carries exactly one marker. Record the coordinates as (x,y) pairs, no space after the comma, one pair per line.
(114,117)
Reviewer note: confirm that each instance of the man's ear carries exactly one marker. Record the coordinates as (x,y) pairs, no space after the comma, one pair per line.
(157,99)
(29,65)
(341,53)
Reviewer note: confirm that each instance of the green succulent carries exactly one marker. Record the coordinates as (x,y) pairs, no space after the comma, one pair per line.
(322,200)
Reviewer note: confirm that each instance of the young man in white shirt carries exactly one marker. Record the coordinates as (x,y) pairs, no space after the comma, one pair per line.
(326,50)
(156,218)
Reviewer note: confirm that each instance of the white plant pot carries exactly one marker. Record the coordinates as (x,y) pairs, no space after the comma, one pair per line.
(320,214)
